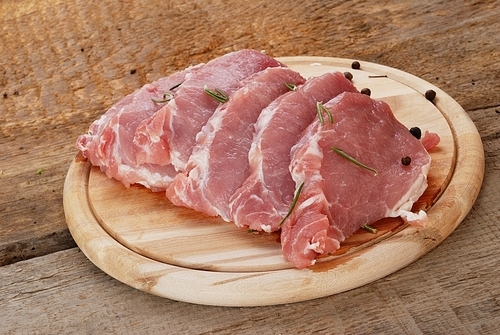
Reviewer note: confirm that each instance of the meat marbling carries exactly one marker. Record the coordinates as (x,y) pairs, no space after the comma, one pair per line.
(219,163)
(338,197)
(265,196)
(168,137)
(109,141)
(252,153)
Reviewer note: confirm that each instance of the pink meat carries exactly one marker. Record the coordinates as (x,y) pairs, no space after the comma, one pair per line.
(168,137)
(108,143)
(219,163)
(264,198)
(338,197)
(430,140)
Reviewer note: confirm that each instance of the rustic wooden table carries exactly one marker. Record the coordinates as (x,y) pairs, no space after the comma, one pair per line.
(62,64)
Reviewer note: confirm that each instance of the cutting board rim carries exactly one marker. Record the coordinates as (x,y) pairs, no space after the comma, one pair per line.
(235,288)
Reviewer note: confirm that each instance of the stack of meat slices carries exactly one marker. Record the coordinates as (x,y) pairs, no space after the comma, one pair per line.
(246,138)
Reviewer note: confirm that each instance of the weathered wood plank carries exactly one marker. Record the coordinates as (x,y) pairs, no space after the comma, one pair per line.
(64,292)
(63,63)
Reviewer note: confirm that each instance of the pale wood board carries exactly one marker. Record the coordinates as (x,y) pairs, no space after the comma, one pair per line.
(154,247)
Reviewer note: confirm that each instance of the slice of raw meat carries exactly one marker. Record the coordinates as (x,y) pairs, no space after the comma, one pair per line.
(265,196)
(108,143)
(338,196)
(168,137)
(219,162)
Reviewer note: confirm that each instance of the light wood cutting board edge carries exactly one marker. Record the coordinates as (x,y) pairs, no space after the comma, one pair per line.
(290,285)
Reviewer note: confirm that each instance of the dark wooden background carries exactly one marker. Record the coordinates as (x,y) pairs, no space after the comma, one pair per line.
(63,63)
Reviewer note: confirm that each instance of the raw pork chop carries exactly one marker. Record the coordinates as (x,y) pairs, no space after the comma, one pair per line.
(168,137)
(338,196)
(219,163)
(108,143)
(266,195)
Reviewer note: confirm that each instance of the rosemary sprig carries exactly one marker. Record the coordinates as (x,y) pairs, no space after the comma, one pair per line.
(175,86)
(294,202)
(370,229)
(351,159)
(217,94)
(167,96)
(291,86)
(320,108)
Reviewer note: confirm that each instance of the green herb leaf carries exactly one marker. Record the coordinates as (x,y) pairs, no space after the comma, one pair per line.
(349,158)
(370,229)
(295,198)
(175,86)
(291,87)
(39,171)
(166,98)
(217,94)
(320,108)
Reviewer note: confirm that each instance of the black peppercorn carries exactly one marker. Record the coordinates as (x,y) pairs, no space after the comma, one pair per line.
(355,65)
(348,75)
(406,160)
(366,91)
(430,95)
(415,131)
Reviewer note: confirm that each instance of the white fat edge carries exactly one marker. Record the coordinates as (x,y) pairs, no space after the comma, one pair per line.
(318,198)
(201,152)
(315,64)
(299,176)
(403,207)
(413,217)
(213,124)
(150,179)
(199,160)
(199,172)
(266,228)
(255,152)
(222,215)
(113,124)
(314,246)
(255,158)
(313,149)
(264,117)
(175,159)
(295,167)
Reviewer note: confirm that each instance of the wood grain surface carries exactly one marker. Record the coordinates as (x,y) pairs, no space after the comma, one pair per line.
(64,63)
(139,238)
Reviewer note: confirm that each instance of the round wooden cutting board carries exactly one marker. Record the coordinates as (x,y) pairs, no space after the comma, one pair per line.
(139,238)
